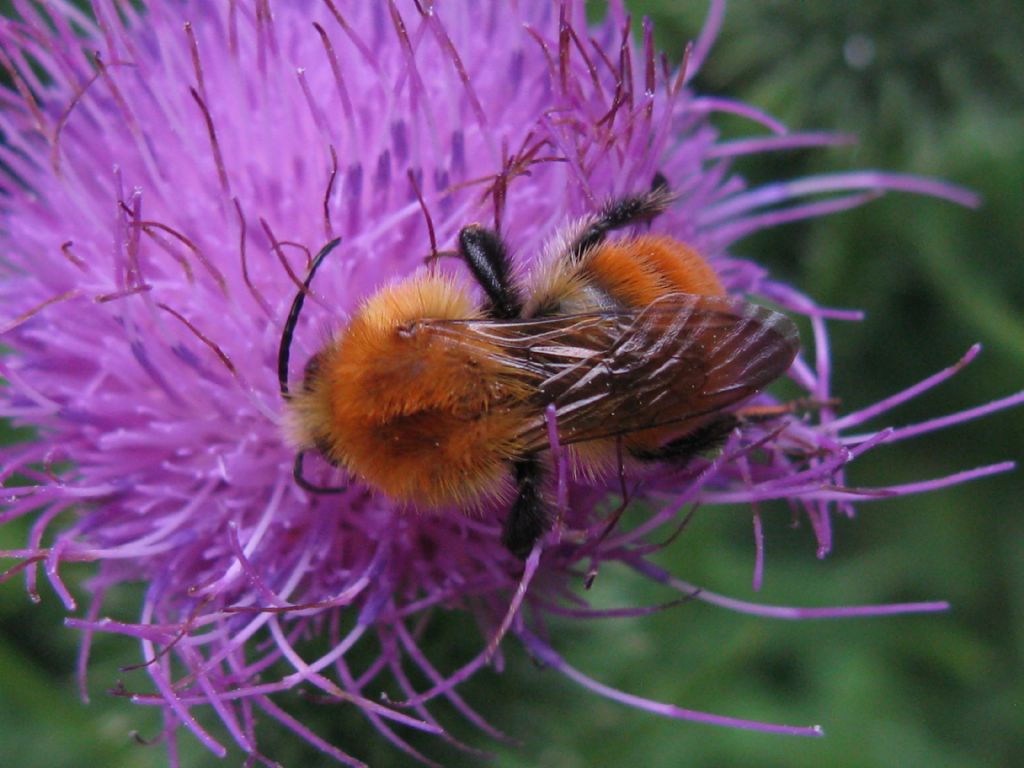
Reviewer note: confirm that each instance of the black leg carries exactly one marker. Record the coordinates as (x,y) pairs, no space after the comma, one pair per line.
(621,213)
(528,519)
(485,254)
(682,449)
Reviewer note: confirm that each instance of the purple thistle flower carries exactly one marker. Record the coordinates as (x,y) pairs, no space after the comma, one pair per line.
(165,182)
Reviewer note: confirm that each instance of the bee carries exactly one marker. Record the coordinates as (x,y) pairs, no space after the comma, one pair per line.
(438,400)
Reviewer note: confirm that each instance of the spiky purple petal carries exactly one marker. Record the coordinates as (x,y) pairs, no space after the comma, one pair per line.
(165,184)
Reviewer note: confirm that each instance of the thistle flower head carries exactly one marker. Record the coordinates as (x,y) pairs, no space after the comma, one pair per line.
(168,174)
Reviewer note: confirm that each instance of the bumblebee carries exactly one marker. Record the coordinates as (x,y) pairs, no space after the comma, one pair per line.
(438,400)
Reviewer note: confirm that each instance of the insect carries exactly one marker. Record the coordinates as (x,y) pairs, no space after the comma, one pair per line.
(439,401)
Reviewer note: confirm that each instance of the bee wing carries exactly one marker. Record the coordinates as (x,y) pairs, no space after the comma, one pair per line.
(615,372)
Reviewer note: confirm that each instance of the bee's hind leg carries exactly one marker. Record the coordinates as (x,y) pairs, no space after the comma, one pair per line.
(485,255)
(621,213)
(681,450)
(528,519)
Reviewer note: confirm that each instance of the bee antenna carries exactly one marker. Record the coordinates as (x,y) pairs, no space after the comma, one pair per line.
(303,483)
(285,350)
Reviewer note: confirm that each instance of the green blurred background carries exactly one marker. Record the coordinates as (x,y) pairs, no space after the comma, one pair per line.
(934,88)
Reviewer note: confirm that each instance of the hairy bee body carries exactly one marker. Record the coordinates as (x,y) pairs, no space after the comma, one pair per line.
(424,421)
(437,400)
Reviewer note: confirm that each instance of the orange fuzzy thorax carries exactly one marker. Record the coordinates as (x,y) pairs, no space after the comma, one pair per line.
(424,421)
